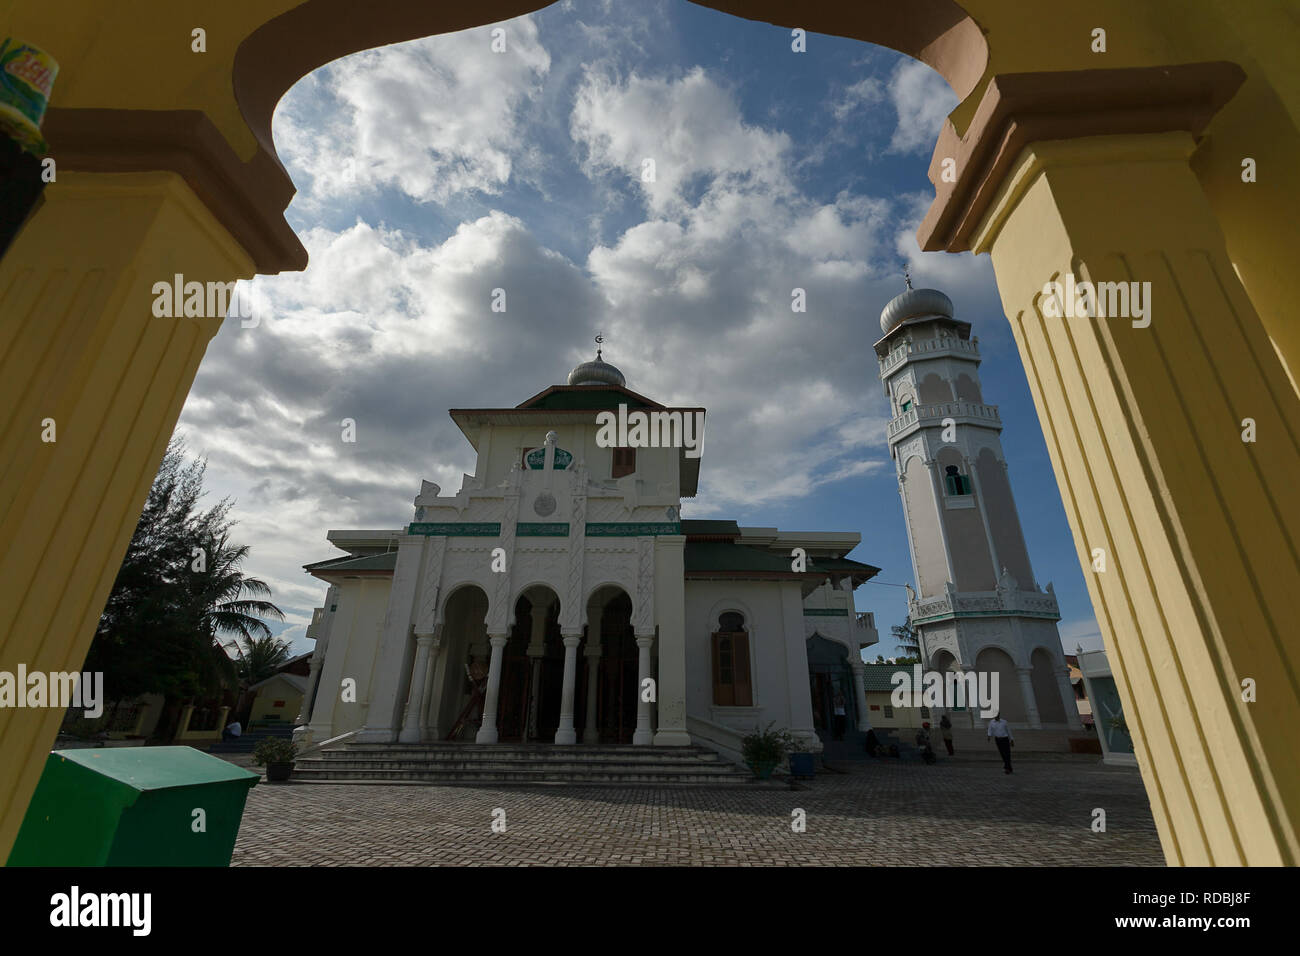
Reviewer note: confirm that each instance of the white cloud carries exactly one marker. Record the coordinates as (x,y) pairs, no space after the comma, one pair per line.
(922,99)
(432,118)
(690,128)
(867,92)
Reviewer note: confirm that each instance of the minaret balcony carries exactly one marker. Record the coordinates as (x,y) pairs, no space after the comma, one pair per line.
(927,416)
(929,348)
(999,603)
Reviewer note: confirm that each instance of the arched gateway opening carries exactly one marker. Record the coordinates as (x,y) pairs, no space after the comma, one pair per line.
(1036,125)
(532,670)
(458,708)
(609,698)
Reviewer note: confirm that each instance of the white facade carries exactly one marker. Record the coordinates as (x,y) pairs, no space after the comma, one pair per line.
(561,580)
(976,605)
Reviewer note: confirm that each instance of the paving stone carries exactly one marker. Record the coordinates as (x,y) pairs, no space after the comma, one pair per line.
(883,813)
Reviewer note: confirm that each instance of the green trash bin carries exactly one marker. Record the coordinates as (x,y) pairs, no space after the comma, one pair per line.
(133,806)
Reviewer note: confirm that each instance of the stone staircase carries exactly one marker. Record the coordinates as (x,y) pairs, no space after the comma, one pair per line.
(520,765)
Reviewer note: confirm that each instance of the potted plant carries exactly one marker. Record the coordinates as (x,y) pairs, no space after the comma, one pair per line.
(277,753)
(803,762)
(764,749)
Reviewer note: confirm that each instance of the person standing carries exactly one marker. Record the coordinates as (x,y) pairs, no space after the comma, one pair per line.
(945,730)
(1000,734)
(839,716)
(233,731)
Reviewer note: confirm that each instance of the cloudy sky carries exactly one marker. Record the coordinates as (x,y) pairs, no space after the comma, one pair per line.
(430,173)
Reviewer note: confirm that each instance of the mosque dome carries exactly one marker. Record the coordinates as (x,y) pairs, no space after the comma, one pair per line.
(596,372)
(914,304)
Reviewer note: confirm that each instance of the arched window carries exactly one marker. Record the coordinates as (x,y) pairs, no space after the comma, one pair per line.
(731,684)
(955,483)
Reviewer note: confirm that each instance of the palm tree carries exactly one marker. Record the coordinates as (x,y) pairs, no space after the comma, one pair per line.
(230,602)
(260,657)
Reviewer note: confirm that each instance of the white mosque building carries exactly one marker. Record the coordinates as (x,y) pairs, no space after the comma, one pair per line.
(976,606)
(559,598)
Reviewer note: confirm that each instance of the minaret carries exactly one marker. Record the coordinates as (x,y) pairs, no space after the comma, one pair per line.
(977,605)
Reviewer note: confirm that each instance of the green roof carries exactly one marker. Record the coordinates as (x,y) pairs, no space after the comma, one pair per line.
(844,564)
(704,556)
(369,562)
(587,397)
(697,526)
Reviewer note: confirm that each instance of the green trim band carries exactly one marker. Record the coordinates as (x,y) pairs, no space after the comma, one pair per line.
(457,529)
(631,529)
(825,612)
(542,529)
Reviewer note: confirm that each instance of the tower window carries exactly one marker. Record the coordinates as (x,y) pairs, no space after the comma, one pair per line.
(956,484)
(907,405)
(624,462)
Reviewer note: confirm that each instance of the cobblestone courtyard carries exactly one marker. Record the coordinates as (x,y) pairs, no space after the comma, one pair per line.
(880,813)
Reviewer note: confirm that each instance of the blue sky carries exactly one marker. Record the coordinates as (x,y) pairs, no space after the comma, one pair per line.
(431,172)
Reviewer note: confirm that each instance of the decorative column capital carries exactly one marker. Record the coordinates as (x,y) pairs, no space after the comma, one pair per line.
(645,640)
(498,640)
(1018,109)
(572,638)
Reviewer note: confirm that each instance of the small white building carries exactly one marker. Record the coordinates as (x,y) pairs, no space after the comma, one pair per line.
(559,597)
(1107,711)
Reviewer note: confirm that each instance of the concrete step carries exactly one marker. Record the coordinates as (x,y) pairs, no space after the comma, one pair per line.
(518,777)
(528,757)
(514,764)
(505,764)
(542,749)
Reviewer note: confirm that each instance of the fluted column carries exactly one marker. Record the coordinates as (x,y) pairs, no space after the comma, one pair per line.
(644,734)
(1186,528)
(425,644)
(81,347)
(566,734)
(487,731)
(860,694)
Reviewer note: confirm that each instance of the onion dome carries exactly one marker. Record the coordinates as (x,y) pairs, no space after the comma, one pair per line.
(914,304)
(597,372)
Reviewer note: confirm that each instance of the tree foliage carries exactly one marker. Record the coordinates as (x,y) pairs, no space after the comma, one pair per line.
(179,587)
(260,657)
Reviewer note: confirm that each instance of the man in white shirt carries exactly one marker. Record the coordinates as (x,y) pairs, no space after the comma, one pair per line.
(1000,734)
(233,730)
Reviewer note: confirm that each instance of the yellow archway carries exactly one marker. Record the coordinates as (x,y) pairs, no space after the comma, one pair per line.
(1117,166)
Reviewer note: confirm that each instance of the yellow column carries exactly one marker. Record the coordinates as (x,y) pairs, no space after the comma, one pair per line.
(1198,529)
(79,344)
